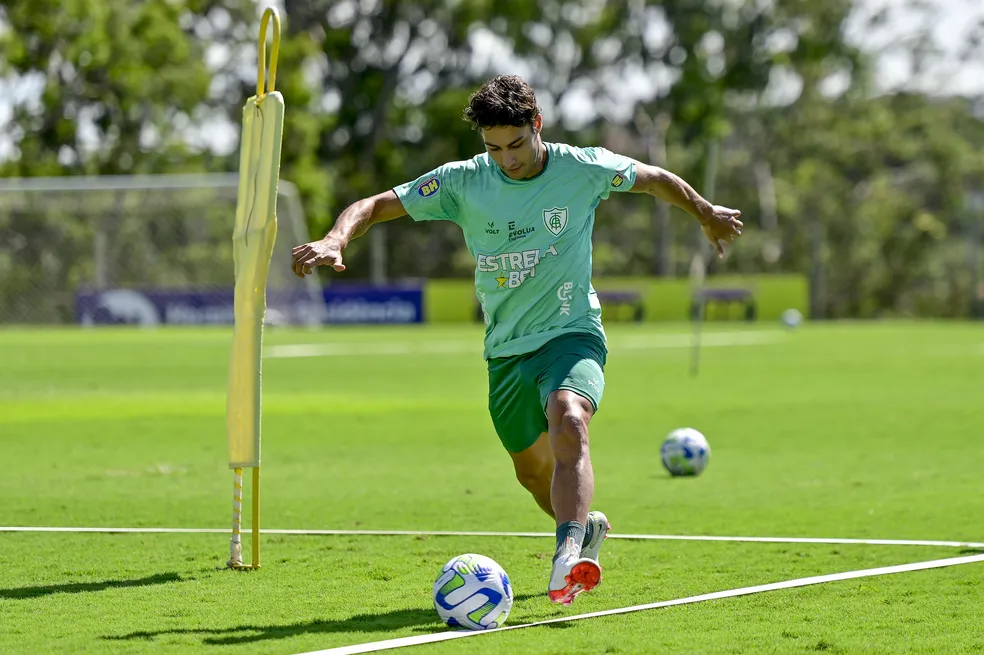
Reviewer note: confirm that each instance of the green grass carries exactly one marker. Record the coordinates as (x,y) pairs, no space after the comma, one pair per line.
(847,430)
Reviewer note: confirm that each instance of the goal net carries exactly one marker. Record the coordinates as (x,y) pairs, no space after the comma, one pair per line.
(148,250)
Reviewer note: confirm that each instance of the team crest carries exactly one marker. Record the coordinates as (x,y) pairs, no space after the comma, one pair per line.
(617,180)
(555,220)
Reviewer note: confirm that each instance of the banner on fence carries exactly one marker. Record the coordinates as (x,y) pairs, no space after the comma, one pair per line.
(340,305)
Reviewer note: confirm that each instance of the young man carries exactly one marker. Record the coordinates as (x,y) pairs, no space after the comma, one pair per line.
(526,209)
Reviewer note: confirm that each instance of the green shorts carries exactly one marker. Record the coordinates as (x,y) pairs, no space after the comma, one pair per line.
(520,386)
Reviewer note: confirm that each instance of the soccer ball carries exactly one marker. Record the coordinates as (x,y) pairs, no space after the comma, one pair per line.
(473,592)
(685,451)
(792,318)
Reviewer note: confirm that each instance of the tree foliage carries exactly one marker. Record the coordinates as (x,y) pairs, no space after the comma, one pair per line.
(869,194)
(121,84)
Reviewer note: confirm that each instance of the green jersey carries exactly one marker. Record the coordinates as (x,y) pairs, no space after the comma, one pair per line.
(531,239)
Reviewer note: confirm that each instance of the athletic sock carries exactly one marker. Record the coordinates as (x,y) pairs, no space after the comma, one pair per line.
(570,536)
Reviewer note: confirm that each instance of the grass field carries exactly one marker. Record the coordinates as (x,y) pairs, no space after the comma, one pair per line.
(846,430)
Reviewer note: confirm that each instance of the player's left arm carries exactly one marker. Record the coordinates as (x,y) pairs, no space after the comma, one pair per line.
(719,224)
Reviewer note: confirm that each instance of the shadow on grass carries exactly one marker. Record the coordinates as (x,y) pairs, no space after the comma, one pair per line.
(971,551)
(561,625)
(422,620)
(20,593)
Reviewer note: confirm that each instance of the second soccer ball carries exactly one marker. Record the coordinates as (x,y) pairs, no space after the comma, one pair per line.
(685,452)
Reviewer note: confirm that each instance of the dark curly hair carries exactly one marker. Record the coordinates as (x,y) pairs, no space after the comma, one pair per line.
(504,100)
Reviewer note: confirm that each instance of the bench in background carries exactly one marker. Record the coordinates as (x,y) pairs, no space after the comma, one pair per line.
(723,298)
(612,301)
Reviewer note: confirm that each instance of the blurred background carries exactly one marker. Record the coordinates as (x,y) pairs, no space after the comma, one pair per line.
(850,133)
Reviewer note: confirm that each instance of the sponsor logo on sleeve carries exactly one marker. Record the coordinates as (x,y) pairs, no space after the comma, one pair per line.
(429,187)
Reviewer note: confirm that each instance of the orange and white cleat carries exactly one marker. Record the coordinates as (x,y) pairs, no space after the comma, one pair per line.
(572,576)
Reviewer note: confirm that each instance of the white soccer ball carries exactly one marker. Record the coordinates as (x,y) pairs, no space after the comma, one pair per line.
(473,592)
(685,451)
(792,318)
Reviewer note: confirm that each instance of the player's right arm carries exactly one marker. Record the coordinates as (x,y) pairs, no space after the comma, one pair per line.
(352,223)
(719,224)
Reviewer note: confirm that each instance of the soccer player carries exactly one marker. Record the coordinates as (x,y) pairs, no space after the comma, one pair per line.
(526,208)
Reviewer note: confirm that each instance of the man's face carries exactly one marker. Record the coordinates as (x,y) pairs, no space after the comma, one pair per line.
(514,149)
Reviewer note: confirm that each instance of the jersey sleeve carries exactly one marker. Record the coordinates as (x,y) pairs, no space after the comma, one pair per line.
(431,197)
(611,171)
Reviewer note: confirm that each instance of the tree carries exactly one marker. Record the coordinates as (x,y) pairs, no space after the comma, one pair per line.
(121,84)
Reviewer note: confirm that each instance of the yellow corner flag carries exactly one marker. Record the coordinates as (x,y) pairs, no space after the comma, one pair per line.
(253,239)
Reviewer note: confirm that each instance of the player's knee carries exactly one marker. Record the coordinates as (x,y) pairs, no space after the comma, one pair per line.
(569,415)
(574,424)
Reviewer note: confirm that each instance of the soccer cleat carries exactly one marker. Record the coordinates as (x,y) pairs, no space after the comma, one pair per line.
(571,576)
(600,527)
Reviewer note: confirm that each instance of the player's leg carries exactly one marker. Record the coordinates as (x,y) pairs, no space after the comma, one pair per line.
(573,487)
(534,470)
(574,477)
(514,405)
(571,385)
(568,416)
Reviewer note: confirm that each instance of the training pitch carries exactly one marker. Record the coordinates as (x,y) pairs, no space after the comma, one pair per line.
(846,458)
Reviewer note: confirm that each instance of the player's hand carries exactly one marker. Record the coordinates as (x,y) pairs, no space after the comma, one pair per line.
(720,225)
(326,252)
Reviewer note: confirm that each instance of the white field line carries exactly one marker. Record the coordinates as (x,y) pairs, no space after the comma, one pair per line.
(388,348)
(730,593)
(541,535)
